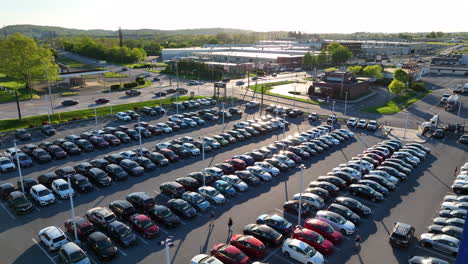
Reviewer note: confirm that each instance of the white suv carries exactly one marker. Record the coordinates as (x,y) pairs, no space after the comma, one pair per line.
(129,155)
(166,128)
(123,116)
(42,194)
(62,189)
(52,237)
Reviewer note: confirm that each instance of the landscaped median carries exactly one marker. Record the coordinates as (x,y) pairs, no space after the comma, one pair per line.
(35,121)
(398,103)
(265,87)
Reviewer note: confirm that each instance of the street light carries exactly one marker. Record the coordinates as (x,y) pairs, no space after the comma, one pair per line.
(333,109)
(301,183)
(203,160)
(96,122)
(167,243)
(139,136)
(19,166)
(48,84)
(73,211)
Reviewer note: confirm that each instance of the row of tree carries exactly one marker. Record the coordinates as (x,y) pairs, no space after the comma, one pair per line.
(90,48)
(335,54)
(374,71)
(24,60)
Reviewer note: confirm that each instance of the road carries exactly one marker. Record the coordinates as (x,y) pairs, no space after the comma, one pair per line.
(414,202)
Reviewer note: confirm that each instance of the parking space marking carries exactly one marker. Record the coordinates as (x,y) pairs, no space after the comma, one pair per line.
(435,252)
(286,213)
(164,231)
(122,252)
(8,211)
(43,250)
(35,207)
(142,240)
(287,260)
(269,255)
(162,194)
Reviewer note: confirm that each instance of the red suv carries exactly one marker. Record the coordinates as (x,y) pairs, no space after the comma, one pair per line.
(83,227)
(249,245)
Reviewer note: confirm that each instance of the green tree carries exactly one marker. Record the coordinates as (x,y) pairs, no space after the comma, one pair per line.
(307,61)
(22,59)
(356,69)
(338,53)
(373,71)
(401,75)
(322,58)
(396,87)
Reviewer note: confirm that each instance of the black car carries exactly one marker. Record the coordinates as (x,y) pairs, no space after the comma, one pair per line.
(321,192)
(226,167)
(337,181)
(439,133)
(234,111)
(299,151)
(154,130)
(198,176)
(397,166)
(264,233)
(41,155)
(84,145)
(180,150)
(380,180)
(28,149)
(46,179)
(81,183)
(132,92)
(257,156)
(189,183)
(393,172)
(159,110)
(173,189)
(99,163)
(6,189)
(83,168)
(160,94)
(102,246)
(65,172)
(158,159)
(293,207)
(329,187)
(133,134)
(48,130)
(295,113)
(141,201)
(278,164)
(111,139)
(99,176)
(345,212)
(354,205)
(149,111)
(344,176)
(173,125)
(121,233)
(366,192)
(98,141)
(375,185)
(27,183)
(70,102)
(22,134)
(182,208)
(55,151)
(131,167)
(122,209)
(146,163)
(132,114)
(71,148)
(18,202)
(122,136)
(114,158)
(402,235)
(116,172)
(163,215)
(247,177)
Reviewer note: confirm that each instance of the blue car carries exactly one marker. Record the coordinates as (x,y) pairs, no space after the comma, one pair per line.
(247,159)
(224,188)
(196,200)
(24,160)
(276,222)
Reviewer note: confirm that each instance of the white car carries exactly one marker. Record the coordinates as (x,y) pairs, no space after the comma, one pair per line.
(212,195)
(164,127)
(301,251)
(213,171)
(6,164)
(62,189)
(365,164)
(205,259)
(42,194)
(372,125)
(352,122)
(267,167)
(384,174)
(236,182)
(345,131)
(337,221)
(464,167)
(278,123)
(129,155)
(454,206)
(241,124)
(310,198)
(252,104)
(189,122)
(444,243)
(203,101)
(284,159)
(123,116)
(191,148)
(406,155)
(260,173)
(52,237)
(331,139)
(162,145)
(211,142)
(362,123)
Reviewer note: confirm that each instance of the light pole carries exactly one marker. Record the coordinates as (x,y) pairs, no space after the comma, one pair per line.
(177,90)
(19,166)
(458,115)
(203,160)
(301,183)
(223,113)
(160,94)
(167,243)
(333,109)
(345,102)
(139,136)
(110,104)
(48,84)
(95,119)
(295,95)
(73,211)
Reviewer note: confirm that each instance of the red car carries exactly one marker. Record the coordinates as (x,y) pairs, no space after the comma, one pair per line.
(251,246)
(101,101)
(98,141)
(169,154)
(238,164)
(229,254)
(144,225)
(324,229)
(83,227)
(314,239)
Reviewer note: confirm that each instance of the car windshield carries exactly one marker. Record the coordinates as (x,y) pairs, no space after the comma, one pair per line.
(124,231)
(100,175)
(211,192)
(198,199)
(43,192)
(82,181)
(104,243)
(77,256)
(63,187)
(309,251)
(146,224)
(164,213)
(58,239)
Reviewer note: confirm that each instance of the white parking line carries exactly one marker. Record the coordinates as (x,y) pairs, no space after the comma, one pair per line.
(43,250)
(164,231)
(122,252)
(286,213)
(8,211)
(436,252)
(142,240)
(269,255)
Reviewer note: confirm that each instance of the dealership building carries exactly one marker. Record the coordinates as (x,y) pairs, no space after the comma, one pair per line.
(340,86)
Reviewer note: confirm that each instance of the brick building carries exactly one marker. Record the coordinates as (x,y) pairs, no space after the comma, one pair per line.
(337,84)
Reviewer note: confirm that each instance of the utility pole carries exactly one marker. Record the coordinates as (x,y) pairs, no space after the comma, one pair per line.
(73,211)
(167,243)
(19,166)
(139,136)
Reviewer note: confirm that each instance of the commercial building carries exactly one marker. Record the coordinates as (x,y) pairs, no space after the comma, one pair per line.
(339,85)
(450,64)
(260,60)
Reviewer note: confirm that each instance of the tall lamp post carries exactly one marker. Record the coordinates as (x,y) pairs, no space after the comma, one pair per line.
(19,166)
(73,211)
(203,160)
(139,137)
(167,243)
(301,183)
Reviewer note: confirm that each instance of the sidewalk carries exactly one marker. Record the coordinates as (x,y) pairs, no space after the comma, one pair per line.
(412,135)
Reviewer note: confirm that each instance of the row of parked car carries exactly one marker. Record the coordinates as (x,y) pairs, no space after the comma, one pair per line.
(446,231)
(270,229)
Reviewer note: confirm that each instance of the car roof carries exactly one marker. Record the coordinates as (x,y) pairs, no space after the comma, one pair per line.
(402,228)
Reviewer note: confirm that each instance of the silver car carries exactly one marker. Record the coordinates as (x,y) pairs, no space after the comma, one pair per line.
(443,243)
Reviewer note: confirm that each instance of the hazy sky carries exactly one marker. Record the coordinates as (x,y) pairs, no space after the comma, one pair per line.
(341,16)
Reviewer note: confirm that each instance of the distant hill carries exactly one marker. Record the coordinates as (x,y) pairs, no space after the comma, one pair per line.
(47,31)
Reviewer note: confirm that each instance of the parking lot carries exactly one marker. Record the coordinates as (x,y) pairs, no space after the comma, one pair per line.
(415,201)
